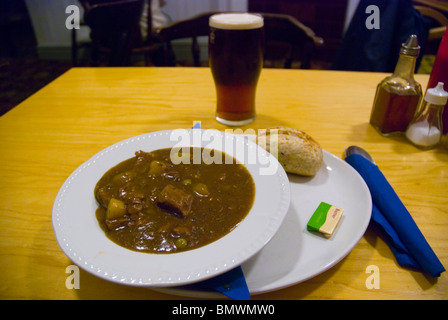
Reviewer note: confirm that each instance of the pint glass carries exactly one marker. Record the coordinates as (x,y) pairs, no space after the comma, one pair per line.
(236,60)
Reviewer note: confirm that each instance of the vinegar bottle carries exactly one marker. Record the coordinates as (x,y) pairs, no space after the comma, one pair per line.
(398,96)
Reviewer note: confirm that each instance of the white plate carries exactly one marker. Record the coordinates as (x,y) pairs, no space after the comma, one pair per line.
(82,240)
(295,254)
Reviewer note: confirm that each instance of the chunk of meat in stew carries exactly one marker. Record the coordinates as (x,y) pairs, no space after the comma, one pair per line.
(175,201)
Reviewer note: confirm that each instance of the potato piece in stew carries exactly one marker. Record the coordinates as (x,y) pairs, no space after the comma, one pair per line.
(161,207)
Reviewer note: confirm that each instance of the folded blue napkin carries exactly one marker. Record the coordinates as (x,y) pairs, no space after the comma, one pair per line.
(232,284)
(403,236)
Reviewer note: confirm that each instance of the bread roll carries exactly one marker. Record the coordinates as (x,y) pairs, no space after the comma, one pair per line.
(296,151)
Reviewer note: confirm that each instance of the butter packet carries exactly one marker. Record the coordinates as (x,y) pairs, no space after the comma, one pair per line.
(325,219)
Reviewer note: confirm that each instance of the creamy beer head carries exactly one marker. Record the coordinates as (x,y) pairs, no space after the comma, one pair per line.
(236,21)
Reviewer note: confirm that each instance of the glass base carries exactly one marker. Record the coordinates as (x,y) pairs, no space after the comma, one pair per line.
(235,123)
(388,134)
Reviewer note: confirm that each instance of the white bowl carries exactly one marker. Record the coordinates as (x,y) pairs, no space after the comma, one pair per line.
(82,240)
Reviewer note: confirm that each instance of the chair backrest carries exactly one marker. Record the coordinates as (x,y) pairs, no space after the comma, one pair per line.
(440,19)
(114,25)
(189,28)
(287,39)
(284,36)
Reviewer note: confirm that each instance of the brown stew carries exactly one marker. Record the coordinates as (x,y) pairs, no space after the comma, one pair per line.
(148,203)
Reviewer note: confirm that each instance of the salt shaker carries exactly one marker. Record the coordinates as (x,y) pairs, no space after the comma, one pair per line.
(425,131)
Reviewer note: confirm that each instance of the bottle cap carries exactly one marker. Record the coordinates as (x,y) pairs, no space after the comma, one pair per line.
(411,46)
(437,95)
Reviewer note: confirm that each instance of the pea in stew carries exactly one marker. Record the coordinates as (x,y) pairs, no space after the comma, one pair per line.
(149,204)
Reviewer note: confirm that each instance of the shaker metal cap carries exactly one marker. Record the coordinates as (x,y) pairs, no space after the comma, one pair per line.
(411,46)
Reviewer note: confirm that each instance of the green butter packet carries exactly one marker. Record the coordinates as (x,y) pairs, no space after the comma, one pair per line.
(325,219)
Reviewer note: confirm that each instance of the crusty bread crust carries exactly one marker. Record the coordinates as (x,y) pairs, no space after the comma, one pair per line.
(297,151)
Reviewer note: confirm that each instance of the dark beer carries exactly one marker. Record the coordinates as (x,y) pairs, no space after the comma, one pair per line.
(236,60)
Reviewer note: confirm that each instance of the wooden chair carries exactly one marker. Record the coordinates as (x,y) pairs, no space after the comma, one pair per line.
(438,17)
(286,38)
(189,28)
(436,12)
(115,30)
(114,27)
(149,45)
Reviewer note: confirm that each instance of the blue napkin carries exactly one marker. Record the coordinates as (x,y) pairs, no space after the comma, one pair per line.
(388,212)
(232,284)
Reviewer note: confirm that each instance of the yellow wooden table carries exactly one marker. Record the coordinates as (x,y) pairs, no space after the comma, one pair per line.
(45,138)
